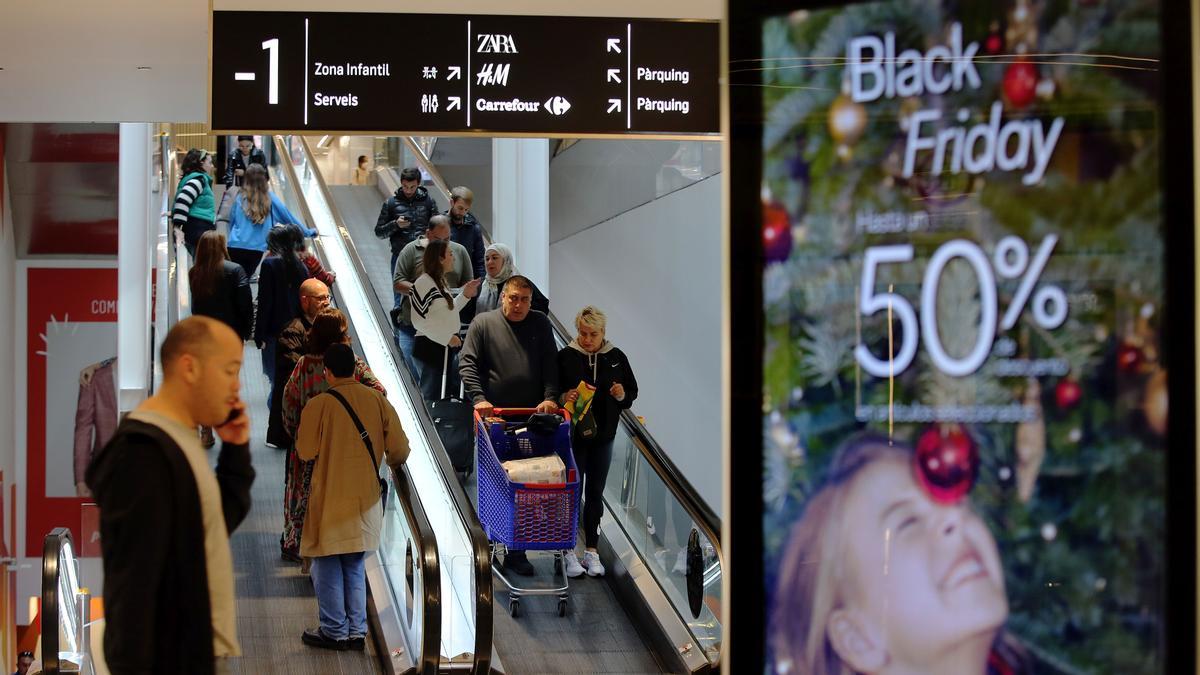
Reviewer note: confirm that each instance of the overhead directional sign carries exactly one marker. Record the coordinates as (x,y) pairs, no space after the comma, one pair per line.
(437,73)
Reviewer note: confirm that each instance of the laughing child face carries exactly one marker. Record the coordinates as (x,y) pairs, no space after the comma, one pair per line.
(880,578)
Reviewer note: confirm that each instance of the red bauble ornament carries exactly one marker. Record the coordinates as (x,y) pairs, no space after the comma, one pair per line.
(993,44)
(1129,358)
(947,463)
(776,232)
(1067,393)
(1020,83)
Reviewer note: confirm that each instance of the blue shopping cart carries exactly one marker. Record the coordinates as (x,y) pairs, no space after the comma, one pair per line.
(526,516)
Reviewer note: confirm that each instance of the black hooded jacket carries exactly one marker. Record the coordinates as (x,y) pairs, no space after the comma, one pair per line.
(156,600)
(238,161)
(601,370)
(418,210)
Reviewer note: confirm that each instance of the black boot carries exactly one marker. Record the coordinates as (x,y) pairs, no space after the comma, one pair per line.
(518,563)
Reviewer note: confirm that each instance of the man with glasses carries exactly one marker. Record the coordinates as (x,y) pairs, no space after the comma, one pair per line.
(290,346)
(509,360)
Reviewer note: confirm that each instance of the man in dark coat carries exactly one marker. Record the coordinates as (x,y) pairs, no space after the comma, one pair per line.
(509,360)
(291,344)
(405,216)
(166,516)
(465,228)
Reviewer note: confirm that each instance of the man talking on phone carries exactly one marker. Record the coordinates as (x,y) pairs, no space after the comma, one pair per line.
(166,515)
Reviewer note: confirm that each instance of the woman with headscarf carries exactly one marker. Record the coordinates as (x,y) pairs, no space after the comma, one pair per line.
(498,266)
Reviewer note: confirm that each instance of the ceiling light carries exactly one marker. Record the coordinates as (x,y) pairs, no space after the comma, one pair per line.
(143,67)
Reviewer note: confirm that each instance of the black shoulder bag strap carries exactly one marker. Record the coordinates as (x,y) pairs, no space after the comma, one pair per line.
(366,439)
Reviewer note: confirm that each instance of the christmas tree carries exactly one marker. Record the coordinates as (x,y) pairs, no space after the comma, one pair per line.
(1073,491)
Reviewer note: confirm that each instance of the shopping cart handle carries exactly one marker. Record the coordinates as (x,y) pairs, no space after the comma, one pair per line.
(515,412)
(540,486)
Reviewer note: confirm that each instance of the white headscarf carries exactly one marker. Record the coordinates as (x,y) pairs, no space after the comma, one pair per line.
(489,292)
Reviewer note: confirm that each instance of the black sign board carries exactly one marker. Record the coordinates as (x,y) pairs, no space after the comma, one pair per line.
(438,73)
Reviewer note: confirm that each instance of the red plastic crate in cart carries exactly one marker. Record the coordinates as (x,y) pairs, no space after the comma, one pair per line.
(525,516)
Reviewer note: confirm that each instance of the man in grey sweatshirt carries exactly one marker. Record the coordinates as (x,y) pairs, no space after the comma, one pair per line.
(509,360)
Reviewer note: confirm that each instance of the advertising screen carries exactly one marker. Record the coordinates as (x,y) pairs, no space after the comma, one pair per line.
(964,323)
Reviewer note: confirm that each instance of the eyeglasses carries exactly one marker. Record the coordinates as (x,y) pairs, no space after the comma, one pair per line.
(322,298)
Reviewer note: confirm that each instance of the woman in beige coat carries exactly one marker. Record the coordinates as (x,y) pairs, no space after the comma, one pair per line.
(344,512)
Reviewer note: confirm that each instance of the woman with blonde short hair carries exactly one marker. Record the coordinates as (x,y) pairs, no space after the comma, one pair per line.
(598,384)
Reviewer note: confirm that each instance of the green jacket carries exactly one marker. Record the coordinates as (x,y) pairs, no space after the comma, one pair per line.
(202,206)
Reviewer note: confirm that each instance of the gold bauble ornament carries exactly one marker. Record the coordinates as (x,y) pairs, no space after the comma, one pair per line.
(847,120)
(1154,403)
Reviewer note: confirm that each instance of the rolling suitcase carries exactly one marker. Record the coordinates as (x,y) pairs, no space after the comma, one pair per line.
(454,419)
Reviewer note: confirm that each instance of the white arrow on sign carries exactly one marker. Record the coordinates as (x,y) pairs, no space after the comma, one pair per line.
(614,45)
(614,104)
(455,103)
(557,105)
(455,73)
(614,75)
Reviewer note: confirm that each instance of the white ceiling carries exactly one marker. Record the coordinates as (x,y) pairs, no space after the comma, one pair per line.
(75,61)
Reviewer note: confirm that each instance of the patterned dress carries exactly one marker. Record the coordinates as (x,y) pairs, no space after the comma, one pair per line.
(307,380)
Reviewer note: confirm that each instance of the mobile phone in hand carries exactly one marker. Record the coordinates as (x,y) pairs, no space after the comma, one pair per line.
(233,415)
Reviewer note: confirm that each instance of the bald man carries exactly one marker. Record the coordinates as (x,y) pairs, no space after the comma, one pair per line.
(166,515)
(289,347)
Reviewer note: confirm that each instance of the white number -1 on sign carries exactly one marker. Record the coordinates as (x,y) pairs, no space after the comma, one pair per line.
(272,46)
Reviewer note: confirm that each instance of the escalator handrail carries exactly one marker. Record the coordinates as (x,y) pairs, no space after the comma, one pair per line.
(481,549)
(51,568)
(699,510)
(429,563)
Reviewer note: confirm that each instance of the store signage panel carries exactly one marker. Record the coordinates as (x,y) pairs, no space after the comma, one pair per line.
(438,73)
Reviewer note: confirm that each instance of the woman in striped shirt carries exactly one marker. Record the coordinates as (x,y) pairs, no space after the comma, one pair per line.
(195,210)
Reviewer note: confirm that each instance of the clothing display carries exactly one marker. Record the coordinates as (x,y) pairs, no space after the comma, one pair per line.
(95,413)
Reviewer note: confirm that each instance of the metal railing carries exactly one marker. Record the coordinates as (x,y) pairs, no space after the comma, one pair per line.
(312,186)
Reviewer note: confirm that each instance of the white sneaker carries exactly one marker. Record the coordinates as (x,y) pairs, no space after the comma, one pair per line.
(591,562)
(571,564)
(650,529)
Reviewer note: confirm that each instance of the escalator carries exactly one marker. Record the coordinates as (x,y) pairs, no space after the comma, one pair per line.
(659,610)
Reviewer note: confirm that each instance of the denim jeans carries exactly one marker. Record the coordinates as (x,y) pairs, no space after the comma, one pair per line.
(268,359)
(406,336)
(340,582)
(396,295)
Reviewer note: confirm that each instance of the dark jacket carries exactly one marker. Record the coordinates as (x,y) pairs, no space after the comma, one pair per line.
(237,161)
(291,344)
(469,233)
(230,300)
(156,602)
(601,370)
(417,210)
(511,365)
(278,298)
